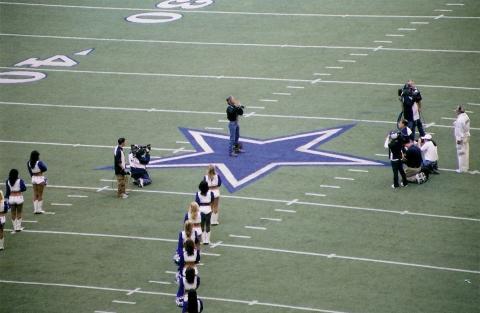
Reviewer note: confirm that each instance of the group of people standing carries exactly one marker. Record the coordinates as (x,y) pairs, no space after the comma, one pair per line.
(14,189)
(414,159)
(200,215)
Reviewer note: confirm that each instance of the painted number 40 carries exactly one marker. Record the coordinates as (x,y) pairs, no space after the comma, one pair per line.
(19,77)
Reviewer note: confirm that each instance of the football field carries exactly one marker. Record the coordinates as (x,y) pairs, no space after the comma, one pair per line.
(308,219)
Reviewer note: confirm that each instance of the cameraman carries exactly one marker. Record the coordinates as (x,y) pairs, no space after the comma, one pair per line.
(411,106)
(138,158)
(120,171)
(234,109)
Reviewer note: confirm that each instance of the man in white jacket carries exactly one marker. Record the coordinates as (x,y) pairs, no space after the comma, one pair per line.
(462,138)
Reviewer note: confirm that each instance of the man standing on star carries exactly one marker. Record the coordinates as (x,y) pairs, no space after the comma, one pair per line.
(234,109)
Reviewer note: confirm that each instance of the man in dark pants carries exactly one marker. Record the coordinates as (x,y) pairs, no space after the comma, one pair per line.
(234,109)
(395,156)
(120,169)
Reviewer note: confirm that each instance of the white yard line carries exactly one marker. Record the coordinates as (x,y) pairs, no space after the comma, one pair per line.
(419,23)
(102,188)
(160,282)
(282,93)
(271,219)
(285,211)
(131,292)
(77,196)
(359,54)
(449,118)
(241,44)
(108,180)
(292,202)
(124,302)
(381,154)
(334,67)
(239,236)
(210,254)
(156,293)
(322,74)
(182,142)
(315,254)
(452,4)
(27,221)
(443,10)
(60,204)
(342,16)
(213,128)
(268,100)
(295,87)
(286,202)
(343,178)
(356,170)
(170,272)
(406,29)
(346,61)
(394,35)
(330,186)
(255,227)
(256,107)
(315,194)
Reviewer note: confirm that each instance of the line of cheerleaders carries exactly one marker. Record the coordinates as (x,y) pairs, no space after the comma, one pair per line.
(14,189)
(201,214)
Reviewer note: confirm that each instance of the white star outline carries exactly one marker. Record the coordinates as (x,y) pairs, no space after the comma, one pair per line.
(323,135)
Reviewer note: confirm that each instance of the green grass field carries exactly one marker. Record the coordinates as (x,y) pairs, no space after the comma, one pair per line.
(362,247)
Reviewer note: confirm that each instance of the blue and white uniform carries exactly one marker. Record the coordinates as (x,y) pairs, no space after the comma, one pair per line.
(14,192)
(196,221)
(182,237)
(185,286)
(3,210)
(185,304)
(214,184)
(186,259)
(36,173)
(205,202)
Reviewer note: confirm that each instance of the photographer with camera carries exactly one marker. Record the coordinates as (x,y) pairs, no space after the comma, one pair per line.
(138,158)
(411,100)
(120,170)
(393,143)
(234,109)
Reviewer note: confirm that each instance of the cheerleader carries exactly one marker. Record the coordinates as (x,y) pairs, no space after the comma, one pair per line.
(36,168)
(3,211)
(204,198)
(194,217)
(214,182)
(191,303)
(15,187)
(189,257)
(189,281)
(187,233)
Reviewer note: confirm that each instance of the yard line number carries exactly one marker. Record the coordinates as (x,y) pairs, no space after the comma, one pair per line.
(21,77)
(166,17)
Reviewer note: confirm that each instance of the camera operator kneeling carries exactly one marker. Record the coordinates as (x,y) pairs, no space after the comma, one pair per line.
(413,164)
(139,158)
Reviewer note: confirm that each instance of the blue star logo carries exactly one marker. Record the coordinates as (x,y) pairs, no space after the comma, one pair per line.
(261,156)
